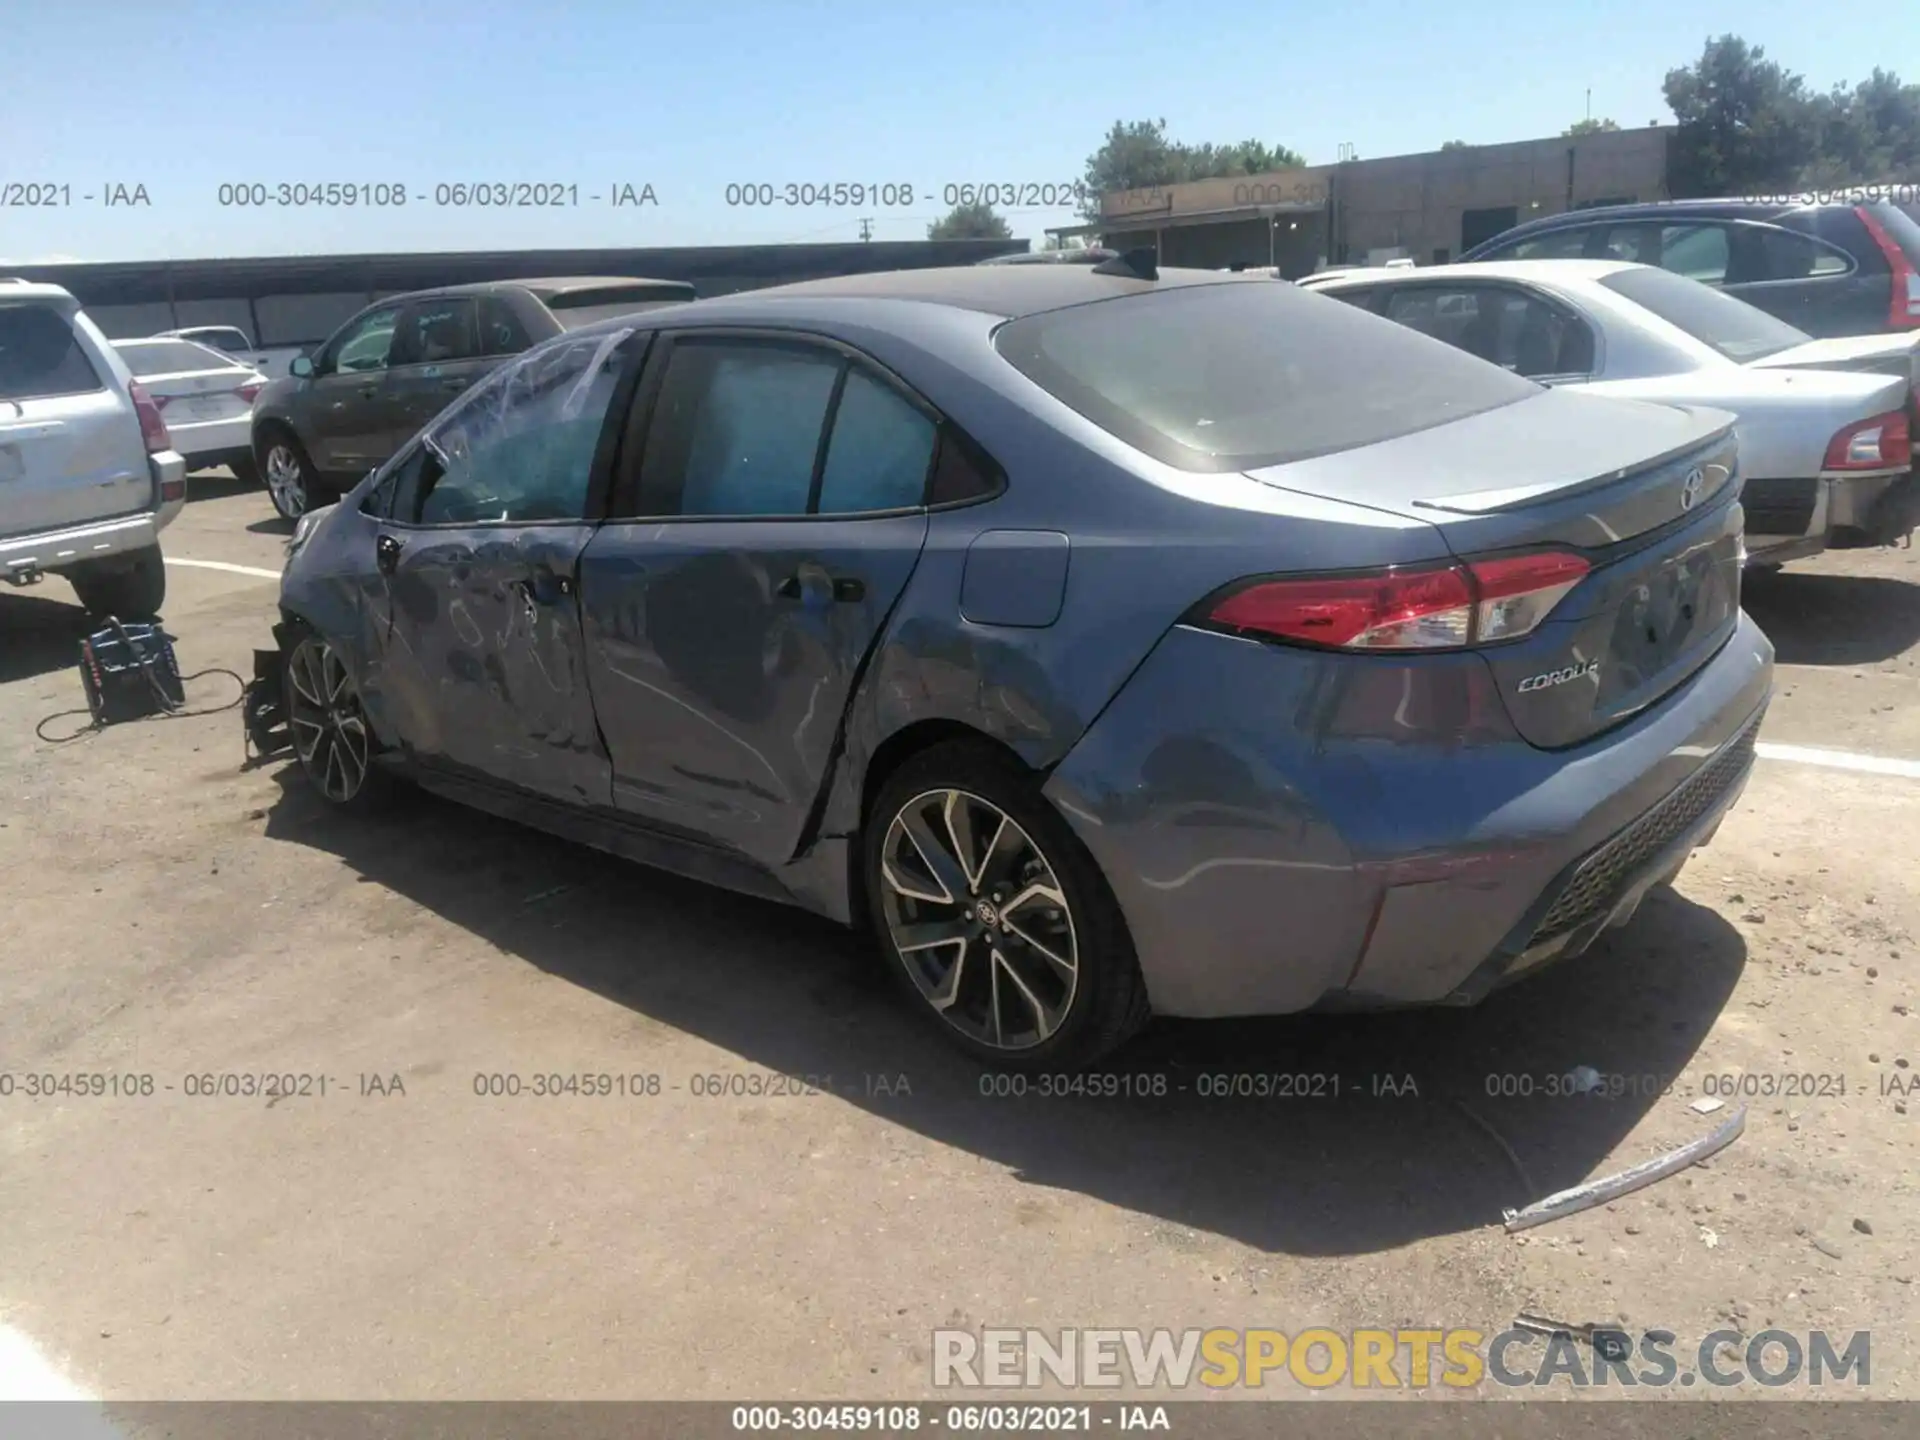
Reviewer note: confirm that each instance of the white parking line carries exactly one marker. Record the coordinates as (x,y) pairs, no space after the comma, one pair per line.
(1839,760)
(223,565)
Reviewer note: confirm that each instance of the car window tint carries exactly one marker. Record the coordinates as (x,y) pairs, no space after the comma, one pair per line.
(1569,244)
(880,450)
(368,345)
(1782,255)
(436,332)
(1246,373)
(39,355)
(1636,244)
(738,426)
(1516,331)
(521,447)
(501,332)
(1698,252)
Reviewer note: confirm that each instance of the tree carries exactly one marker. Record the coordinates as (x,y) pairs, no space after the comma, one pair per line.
(978,221)
(1454,145)
(1590,126)
(1137,155)
(1745,123)
(1869,133)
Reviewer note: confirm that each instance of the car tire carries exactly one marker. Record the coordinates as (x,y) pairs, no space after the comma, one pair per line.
(291,483)
(333,741)
(127,587)
(1051,984)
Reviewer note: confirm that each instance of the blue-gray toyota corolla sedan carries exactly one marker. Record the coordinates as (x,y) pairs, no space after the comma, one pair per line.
(1109,641)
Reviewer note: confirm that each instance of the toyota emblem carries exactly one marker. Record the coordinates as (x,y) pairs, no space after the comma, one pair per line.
(1690,488)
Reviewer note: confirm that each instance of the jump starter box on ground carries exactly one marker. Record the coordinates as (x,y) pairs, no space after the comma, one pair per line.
(129,672)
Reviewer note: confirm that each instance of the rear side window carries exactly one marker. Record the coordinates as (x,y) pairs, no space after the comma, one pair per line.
(435,332)
(170,357)
(1243,374)
(39,356)
(501,332)
(1568,244)
(741,424)
(1739,331)
(878,454)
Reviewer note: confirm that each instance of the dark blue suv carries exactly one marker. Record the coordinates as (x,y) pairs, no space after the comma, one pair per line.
(1830,267)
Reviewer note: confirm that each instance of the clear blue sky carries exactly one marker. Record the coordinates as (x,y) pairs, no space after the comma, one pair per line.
(182,96)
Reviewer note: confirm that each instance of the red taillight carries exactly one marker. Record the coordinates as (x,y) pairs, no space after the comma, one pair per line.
(1903,306)
(153,429)
(1406,609)
(1883,443)
(248,391)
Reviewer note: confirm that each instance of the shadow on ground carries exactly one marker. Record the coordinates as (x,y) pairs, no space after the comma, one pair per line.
(1833,619)
(39,635)
(1360,1172)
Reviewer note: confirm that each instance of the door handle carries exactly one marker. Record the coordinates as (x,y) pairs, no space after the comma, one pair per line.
(454,385)
(848,590)
(544,586)
(367,392)
(386,553)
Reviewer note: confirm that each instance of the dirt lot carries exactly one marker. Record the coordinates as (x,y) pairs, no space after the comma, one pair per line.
(169,913)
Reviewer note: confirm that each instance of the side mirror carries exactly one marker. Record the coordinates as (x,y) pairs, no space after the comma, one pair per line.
(301,367)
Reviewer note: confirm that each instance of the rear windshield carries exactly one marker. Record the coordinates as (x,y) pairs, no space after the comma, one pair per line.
(1737,330)
(229,340)
(583,307)
(39,356)
(1241,374)
(169,357)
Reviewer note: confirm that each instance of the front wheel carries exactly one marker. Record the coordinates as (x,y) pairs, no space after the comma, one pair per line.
(332,739)
(995,916)
(290,479)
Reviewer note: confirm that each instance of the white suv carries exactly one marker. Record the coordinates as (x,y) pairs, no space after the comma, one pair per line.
(88,474)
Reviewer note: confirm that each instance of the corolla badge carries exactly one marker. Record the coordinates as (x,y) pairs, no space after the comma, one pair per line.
(1690,488)
(1558,677)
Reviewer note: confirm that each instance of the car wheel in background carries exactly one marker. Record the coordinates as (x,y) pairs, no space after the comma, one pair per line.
(332,739)
(994,915)
(127,587)
(289,476)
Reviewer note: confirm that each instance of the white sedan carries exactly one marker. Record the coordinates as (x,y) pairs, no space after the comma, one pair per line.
(205,397)
(1825,426)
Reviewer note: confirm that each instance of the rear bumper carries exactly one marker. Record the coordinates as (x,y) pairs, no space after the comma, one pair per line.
(203,441)
(57,550)
(1276,842)
(1790,519)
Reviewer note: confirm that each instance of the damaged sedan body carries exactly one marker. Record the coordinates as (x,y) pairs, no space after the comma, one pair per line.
(1108,640)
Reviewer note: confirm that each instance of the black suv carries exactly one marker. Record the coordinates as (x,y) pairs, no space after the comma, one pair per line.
(1828,267)
(401,361)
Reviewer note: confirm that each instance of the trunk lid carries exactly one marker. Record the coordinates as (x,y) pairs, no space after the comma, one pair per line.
(1875,354)
(1647,494)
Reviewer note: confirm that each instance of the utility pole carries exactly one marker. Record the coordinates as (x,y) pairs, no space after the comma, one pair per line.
(1589,102)
(866,229)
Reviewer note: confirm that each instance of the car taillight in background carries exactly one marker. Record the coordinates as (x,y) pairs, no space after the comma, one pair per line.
(1903,309)
(153,429)
(1884,442)
(1406,607)
(251,390)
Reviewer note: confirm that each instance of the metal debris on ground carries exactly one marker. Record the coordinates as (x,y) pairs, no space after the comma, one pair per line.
(1611,1187)
(1706,1106)
(1607,1342)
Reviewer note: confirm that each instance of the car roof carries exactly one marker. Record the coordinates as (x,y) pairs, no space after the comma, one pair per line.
(1542,271)
(1008,291)
(1730,207)
(12,287)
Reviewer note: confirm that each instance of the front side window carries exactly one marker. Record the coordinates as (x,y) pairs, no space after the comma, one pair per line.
(1737,330)
(1243,374)
(436,332)
(367,344)
(1772,253)
(39,356)
(520,449)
